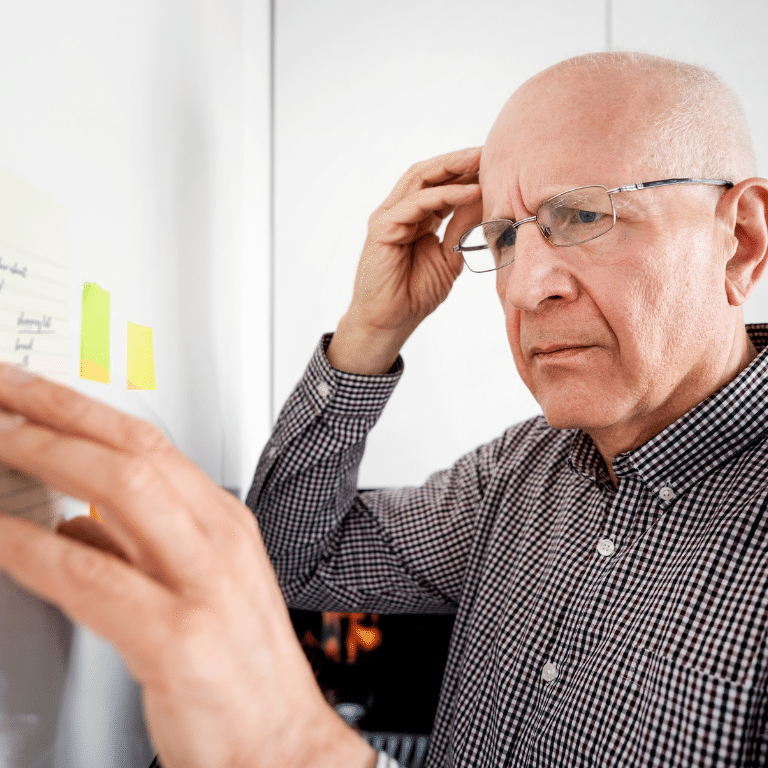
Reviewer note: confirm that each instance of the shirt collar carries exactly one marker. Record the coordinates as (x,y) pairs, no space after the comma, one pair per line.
(699,441)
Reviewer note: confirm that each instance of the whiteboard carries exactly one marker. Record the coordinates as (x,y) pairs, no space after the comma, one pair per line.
(146,125)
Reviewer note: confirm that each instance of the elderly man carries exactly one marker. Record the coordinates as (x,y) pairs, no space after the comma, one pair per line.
(606,563)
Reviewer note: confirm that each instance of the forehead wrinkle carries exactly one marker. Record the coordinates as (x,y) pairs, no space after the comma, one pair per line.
(548,110)
(507,197)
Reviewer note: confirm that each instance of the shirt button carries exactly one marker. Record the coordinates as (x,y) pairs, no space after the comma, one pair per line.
(666,493)
(605,547)
(323,390)
(272,453)
(549,673)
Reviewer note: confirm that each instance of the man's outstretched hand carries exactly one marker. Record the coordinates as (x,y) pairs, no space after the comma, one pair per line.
(405,271)
(176,577)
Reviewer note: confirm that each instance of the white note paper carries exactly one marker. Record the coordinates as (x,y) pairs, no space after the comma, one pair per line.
(35,638)
(33,279)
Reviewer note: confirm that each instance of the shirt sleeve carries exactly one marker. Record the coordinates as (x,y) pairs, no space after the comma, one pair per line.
(336,549)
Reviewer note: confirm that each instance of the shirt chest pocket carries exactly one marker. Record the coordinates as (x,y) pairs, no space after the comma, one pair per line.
(646,709)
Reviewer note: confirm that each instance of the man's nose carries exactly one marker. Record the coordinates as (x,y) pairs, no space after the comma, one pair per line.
(539,273)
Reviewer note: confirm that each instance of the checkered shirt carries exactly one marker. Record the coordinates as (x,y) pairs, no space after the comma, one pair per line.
(595,626)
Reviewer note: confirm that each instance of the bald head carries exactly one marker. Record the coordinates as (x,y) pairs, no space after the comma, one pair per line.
(681,119)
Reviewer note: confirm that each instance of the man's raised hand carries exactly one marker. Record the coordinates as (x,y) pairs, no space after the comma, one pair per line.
(405,271)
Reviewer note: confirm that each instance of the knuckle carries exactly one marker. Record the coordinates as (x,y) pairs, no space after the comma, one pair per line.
(134,476)
(65,405)
(142,436)
(415,169)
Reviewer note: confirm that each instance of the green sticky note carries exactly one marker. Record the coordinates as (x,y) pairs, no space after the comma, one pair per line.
(94,334)
(141,358)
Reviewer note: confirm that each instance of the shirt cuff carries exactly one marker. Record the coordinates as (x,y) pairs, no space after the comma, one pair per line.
(347,394)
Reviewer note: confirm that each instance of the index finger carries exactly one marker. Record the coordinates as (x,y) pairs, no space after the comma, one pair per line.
(66,410)
(131,473)
(436,170)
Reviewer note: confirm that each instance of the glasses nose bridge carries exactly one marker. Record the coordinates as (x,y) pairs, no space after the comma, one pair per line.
(544,230)
(524,252)
(526,221)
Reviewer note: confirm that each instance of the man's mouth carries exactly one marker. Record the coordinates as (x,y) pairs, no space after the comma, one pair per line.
(557,351)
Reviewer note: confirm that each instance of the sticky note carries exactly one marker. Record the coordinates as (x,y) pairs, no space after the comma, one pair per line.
(141,358)
(94,338)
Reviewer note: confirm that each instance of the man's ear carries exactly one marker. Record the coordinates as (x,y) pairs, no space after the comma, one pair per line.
(745,212)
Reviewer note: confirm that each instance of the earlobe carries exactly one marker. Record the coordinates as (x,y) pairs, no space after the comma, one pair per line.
(745,211)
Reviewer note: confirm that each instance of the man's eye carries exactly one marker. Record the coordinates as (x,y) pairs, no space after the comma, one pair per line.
(507,238)
(500,245)
(588,217)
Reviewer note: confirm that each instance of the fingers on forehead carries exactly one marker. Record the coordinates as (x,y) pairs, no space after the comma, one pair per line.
(436,170)
(430,200)
(443,167)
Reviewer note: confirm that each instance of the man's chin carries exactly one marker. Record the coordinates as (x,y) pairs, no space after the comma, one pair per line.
(587,416)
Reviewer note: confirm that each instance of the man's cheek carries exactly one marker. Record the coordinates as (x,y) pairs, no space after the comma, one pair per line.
(522,365)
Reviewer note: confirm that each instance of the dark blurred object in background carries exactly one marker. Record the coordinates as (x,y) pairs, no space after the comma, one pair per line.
(382,673)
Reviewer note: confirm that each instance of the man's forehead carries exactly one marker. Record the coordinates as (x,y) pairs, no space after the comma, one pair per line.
(554,134)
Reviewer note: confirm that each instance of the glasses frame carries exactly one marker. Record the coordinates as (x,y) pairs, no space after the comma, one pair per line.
(546,232)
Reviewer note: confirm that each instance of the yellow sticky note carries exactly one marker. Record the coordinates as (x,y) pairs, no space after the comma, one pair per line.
(94,335)
(141,358)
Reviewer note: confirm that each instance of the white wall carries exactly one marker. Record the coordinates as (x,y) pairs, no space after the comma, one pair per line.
(362,91)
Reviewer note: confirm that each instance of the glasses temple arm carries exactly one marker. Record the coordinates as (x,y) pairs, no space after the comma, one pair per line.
(665,182)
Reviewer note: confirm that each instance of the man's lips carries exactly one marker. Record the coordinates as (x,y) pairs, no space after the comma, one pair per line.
(549,348)
(554,351)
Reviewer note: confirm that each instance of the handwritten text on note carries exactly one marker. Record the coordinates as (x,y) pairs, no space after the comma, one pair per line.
(33,284)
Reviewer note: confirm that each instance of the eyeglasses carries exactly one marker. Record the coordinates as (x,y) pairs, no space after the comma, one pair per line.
(570,218)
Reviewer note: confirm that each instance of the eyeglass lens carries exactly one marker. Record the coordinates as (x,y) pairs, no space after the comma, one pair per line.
(569,218)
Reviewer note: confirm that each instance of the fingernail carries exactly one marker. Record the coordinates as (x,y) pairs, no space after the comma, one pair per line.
(13,374)
(9,421)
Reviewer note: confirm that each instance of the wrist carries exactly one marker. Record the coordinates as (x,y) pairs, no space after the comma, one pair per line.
(336,744)
(357,350)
